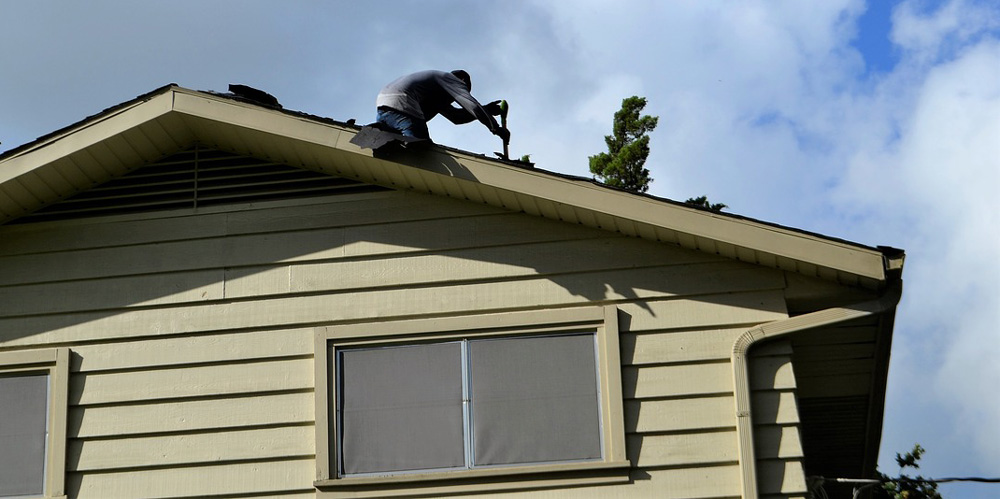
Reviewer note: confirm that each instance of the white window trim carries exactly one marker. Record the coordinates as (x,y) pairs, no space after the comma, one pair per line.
(55,363)
(603,321)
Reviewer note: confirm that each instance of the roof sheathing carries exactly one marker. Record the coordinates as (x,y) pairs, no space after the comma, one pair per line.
(134,133)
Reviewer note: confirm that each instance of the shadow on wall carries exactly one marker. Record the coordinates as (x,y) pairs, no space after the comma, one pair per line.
(351,259)
(389,254)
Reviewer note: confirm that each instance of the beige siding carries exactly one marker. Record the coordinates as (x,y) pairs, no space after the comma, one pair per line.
(208,413)
(195,381)
(201,448)
(776,418)
(192,369)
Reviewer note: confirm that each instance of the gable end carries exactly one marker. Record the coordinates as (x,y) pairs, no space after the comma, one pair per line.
(196,178)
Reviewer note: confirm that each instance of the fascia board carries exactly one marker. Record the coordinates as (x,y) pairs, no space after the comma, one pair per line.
(581,195)
(86,135)
(255,118)
(744,233)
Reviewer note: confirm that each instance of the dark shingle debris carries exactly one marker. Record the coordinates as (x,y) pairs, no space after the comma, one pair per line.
(254,95)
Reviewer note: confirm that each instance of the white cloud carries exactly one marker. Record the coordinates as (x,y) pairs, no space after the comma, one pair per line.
(930,34)
(928,181)
(958,131)
(740,90)
(598,108)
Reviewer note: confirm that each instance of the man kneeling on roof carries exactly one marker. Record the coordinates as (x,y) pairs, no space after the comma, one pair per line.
(407,104)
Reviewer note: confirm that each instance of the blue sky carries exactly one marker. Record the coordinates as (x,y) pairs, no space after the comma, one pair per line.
(875,122)
(872,39)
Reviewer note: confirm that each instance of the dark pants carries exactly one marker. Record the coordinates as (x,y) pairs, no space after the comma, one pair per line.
(403,123)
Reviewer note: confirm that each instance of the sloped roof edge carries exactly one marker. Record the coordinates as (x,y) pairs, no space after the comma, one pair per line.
(179,115)
(66,129)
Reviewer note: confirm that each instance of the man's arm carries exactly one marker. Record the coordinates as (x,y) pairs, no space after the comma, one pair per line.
(457,115)
(460,116)
(471,108)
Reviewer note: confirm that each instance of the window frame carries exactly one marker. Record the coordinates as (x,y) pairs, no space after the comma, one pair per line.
(53,362)
(602,321)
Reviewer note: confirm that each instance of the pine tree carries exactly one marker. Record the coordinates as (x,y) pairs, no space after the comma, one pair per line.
(628,148)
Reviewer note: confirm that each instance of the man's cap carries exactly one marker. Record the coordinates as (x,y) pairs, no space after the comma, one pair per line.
(462,75)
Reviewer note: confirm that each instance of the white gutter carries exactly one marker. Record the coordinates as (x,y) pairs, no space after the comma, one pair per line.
(777,329)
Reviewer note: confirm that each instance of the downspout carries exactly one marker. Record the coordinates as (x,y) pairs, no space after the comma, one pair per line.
(777,329)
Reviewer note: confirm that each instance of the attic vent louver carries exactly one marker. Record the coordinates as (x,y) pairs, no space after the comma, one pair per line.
(198,177)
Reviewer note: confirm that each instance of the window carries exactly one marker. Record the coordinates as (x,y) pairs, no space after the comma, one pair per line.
(514,399)
(33,398)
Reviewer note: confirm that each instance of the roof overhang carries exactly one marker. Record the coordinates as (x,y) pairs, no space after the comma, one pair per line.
(151,126)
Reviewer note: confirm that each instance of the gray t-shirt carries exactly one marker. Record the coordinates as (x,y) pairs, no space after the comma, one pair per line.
(425,94)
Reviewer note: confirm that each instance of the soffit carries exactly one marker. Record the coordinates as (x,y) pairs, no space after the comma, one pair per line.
(840,374)
(172,118)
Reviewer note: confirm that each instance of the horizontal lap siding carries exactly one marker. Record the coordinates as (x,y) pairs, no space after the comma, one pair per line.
(199,481)
(203,448)
(772,385)
(192,336)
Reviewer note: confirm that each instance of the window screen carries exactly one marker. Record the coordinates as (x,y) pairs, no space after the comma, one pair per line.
(531,399)
(23,433)
(402,408)
(534,399)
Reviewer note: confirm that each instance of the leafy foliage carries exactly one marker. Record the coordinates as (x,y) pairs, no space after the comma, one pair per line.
(628,147)
(702,202)
(904,486)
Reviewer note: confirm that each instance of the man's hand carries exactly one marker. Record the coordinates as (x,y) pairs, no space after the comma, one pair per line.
(493,108)
(503,133)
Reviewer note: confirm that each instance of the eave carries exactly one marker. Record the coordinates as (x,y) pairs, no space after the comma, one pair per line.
(151,126)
